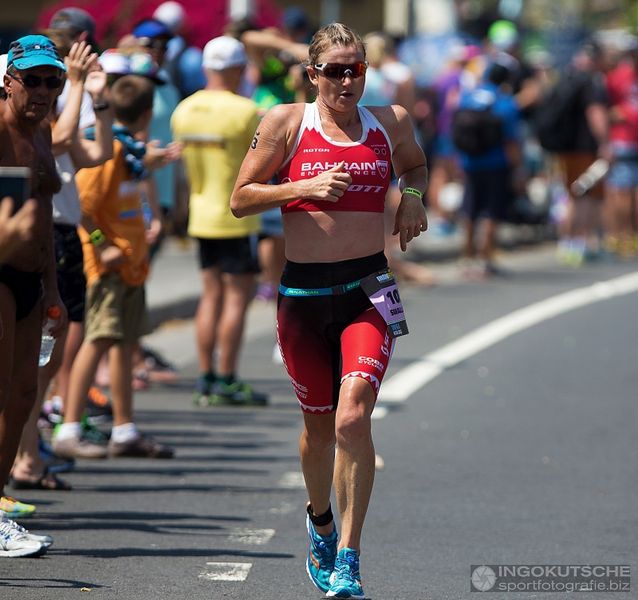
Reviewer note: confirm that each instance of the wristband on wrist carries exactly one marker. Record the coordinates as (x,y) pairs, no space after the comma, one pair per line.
(97,237)
(102,105)
(413,192)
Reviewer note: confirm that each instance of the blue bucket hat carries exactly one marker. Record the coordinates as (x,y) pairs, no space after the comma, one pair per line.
(34,51)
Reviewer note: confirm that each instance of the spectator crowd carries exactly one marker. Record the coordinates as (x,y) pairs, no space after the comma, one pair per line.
(127,146)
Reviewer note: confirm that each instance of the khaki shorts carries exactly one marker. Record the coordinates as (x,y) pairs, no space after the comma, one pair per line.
(115,310)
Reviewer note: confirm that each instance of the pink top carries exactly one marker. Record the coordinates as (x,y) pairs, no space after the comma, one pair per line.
(368,160)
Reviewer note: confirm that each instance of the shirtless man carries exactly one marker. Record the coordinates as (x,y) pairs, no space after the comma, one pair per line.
(34,78)
(334,160)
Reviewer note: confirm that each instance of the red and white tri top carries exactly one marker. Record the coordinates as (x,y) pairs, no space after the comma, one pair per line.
(368,160)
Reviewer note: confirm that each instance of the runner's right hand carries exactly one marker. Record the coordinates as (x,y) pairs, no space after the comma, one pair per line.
(329,185)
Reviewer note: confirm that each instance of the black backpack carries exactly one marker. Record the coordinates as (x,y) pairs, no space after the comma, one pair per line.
(556,116)
(476,131)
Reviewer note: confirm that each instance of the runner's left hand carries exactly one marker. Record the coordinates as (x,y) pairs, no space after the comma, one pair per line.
(410,220)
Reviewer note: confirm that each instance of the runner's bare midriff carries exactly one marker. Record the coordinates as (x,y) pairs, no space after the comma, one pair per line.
(332,236)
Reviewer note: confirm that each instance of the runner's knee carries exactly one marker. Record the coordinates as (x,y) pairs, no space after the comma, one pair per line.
(319,432)
(356,402)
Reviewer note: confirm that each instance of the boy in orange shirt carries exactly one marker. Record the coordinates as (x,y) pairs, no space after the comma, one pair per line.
(116,264)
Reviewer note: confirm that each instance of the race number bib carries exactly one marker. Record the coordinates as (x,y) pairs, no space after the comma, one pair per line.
(382,290)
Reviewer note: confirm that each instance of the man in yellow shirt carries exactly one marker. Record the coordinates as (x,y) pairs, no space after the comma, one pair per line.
(217,126)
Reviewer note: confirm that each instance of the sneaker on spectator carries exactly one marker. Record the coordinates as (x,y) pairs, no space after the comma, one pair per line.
(139,447)
(77,447)
(203,389)
(45,540)
(91,433)
(238,393)
(14,509)
(98,408)
(345,581)
(15,543)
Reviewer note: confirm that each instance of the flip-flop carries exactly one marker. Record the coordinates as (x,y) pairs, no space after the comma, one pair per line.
(48,481)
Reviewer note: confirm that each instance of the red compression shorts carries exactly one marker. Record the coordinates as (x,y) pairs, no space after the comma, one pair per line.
(326,339)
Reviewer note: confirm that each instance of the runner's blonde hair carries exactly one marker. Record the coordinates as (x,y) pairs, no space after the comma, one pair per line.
(334,34)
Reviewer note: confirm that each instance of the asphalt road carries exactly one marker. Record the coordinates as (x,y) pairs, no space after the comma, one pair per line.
(522,451)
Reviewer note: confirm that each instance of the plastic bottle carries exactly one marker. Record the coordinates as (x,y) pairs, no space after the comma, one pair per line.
(587,180)
(48,341)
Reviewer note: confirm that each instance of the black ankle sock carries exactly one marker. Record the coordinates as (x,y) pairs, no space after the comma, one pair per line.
(320,520)
(209,376)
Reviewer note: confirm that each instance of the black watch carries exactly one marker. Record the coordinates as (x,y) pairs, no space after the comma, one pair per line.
(98,106)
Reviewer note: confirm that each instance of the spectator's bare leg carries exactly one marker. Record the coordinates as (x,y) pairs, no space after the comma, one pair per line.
(490,227)
(74,338)
(207,317)
(28,464)
(82,375)
(469,250)
(121,370)
(18,386)
(238,292)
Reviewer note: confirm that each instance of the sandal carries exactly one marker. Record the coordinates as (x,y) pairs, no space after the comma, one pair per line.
(48,481)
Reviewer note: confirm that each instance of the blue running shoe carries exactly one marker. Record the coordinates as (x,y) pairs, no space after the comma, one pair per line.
(345,581)
(321,556)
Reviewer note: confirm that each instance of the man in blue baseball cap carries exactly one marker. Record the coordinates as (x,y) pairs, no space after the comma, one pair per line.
(28,283)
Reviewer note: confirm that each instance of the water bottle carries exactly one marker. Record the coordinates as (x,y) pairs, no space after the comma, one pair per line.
(587,180)
(48,341)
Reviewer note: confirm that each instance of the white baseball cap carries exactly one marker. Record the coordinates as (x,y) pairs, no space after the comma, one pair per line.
(114,62)
(223,53)
(171,14)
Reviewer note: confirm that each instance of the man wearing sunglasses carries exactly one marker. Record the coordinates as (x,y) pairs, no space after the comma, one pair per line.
(28,285)
(333,160)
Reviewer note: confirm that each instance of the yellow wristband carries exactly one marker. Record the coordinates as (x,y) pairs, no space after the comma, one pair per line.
(97,237)
(413,191)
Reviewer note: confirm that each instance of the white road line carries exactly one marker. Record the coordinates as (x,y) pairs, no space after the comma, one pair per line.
(413,377)
(379,412)
(254,537)
(223,571)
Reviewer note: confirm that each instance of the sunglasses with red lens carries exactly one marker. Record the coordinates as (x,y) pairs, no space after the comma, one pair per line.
(340,71)
(35,81)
